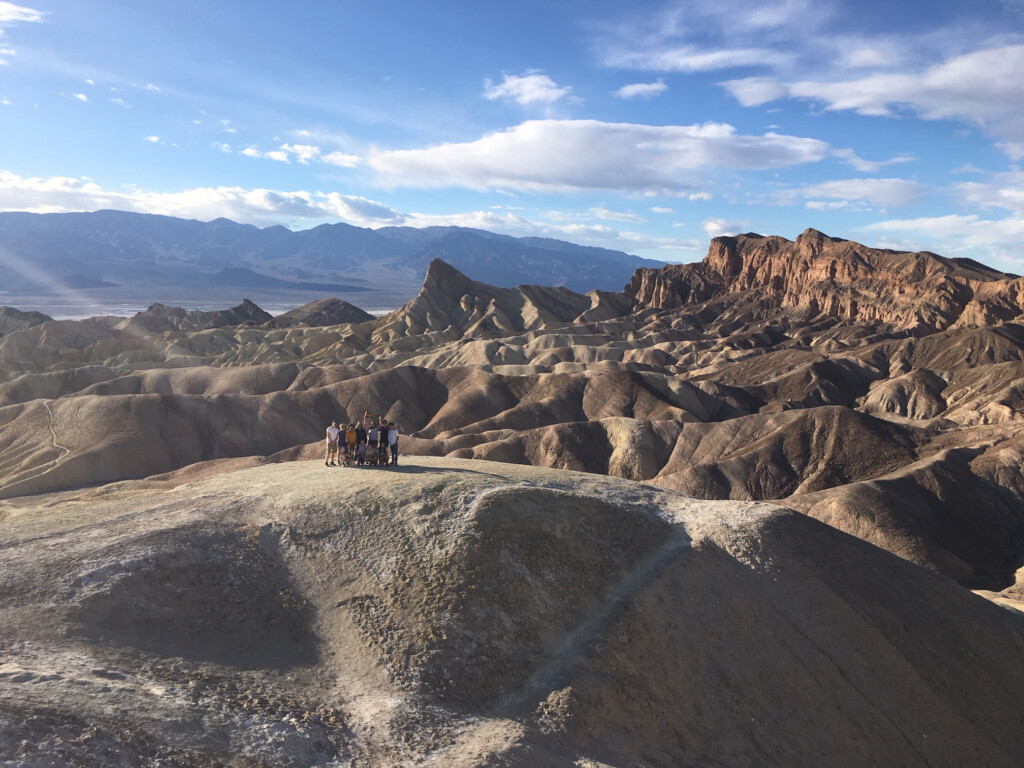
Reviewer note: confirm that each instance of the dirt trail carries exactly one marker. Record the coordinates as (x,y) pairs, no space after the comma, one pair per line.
(62,453)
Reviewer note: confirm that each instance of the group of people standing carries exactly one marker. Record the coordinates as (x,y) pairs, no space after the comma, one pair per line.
(361,444)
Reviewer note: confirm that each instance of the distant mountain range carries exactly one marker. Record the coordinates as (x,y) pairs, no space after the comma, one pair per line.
(122,253)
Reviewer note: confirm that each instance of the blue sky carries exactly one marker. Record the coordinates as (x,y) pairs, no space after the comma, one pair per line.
(647,127)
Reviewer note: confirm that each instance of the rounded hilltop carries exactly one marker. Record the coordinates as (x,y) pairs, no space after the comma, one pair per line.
(474,613)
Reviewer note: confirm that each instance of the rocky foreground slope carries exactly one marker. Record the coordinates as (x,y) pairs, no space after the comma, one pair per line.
(880,392)
(466,613)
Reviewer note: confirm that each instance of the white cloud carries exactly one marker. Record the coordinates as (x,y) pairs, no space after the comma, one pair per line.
(884,192)
(719,227)
(1006,191)
(304,153)
(6,102)
(353,208)
(659,209)
(851,158)
(11,13)
(151,87)
(90,81)
(823,205)
(966,68)
(254,206)
(225,148)
(341,159)
(1012,149)
(954,235)
(982,87)
(698,196)
(692,58)
(531,87)
(81,97)
(120,102)
(604,213)
(755,91)
(589,154)
(153,139)
(225,125)
(641,90)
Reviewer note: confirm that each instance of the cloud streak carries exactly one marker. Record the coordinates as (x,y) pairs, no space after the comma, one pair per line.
(880,192)
(12,14)
(641,90)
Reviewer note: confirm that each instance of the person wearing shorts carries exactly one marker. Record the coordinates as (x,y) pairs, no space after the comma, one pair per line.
(350,444)
(333,434)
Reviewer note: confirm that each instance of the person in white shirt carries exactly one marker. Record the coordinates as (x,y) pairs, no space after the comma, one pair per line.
(333,433)
(393,442)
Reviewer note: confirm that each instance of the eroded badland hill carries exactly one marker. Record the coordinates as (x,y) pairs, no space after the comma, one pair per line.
(180,590)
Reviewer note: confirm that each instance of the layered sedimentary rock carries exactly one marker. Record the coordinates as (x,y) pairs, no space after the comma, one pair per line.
(825,276)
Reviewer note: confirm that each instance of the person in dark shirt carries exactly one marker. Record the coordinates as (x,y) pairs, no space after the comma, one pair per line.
(360,443)
(382,444)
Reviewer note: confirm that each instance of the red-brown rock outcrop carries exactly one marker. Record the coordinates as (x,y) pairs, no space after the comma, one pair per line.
(824,276)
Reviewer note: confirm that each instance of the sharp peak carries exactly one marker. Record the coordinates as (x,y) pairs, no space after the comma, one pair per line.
(813,234)
(439,268)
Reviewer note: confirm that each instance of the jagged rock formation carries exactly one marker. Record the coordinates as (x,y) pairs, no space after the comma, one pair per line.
(859,386)
(827,277)
(472,614)
(451,303)
(159,318)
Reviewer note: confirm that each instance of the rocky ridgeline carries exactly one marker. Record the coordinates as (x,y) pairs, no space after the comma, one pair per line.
(825,276)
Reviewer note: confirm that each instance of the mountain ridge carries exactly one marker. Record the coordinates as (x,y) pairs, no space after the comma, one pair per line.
(148,253)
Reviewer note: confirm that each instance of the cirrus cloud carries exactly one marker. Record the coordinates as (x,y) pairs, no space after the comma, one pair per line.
(982,87)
